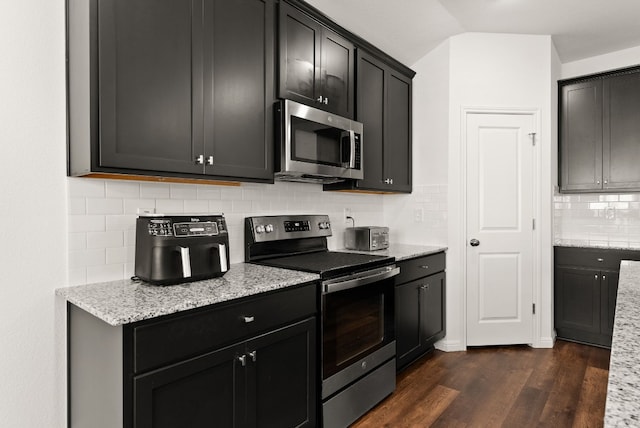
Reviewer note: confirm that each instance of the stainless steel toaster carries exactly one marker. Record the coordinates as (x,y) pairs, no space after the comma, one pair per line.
(366,238)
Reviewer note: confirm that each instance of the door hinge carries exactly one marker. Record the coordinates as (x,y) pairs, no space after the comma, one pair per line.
(534,309)
(533,137)
(533,224)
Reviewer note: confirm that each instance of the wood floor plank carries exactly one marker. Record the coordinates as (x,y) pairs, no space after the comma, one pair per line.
(512,386)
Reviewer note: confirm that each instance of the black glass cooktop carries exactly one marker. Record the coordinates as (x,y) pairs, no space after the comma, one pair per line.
(329,264)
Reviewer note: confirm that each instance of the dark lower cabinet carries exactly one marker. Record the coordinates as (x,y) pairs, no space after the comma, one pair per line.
(246,363)
(263,382)
(585,290)
(420,307)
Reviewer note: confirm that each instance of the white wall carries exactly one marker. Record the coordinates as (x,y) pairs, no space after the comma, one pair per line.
(601,63)
(498,71)
(32,213)
(430,147)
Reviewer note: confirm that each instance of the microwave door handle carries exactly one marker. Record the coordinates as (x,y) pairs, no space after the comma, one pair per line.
(352,153)
(186,262)
(354,281)
(222,256)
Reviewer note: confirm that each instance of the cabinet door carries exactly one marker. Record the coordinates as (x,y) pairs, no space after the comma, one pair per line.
(202,392)
(609,293)
(581,136)
(397,143)
(577,300)
(371,112)
(283,364)
(239,72)
(299,43)
(621,132)
(336,74)
(432,313)
(408,325)
(146,69)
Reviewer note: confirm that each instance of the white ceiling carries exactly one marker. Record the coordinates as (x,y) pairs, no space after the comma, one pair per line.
(408,29)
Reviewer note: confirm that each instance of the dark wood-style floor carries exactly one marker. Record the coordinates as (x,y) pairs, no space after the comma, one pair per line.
(510,386)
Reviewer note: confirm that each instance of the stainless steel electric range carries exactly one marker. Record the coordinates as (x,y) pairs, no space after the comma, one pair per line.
(356,292)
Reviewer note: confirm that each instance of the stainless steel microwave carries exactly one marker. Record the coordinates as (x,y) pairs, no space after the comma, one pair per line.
(316,146)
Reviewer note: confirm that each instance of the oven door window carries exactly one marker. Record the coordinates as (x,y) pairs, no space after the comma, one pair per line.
(356,322)
(319,144)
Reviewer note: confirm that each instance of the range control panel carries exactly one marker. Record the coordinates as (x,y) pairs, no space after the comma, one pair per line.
(276,228)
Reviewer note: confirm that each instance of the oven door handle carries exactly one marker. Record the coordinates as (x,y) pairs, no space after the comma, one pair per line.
(359,279)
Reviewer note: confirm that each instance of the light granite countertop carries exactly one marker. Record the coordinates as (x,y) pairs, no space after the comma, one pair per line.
(126,301)
(623,391)
(588,244)
(403,251)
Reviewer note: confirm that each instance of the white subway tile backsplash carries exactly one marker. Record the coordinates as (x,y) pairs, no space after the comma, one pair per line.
(104,206)
(224,207)
(86,223)
(120,255)
(597,219)
(77,206)
(105,273)
(121,222)
(183,191)
(169,206)
(86,187)
(196,206)
(87,257)
(207,192)
(77,241)
(136,206)
(122,189)
(105,239)
(77,276)
(155,190)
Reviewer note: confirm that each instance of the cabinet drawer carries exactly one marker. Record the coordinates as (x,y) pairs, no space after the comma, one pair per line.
(420,267)
(596,258)
(176,337)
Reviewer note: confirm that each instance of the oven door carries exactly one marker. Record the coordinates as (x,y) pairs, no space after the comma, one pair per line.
(358,331)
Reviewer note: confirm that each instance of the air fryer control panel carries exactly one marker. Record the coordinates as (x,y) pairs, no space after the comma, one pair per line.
(167,227)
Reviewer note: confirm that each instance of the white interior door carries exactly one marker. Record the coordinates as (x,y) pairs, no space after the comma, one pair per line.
(500,222)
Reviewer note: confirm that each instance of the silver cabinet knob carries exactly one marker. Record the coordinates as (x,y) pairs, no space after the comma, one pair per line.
(210,160)
(248,319)
(474,242)
(243,360)
(200,160)
(253,355)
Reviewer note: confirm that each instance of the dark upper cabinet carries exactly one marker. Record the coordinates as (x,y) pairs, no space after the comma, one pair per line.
(599,145)
(384,107)
(621,132)
(581,136)
(316,64)
(169,92)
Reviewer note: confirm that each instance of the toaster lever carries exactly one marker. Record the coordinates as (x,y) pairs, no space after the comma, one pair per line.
(186,262)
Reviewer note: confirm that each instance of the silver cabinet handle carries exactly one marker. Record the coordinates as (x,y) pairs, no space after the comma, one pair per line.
(596,276)
(247,320)
(326,100)
(474,242)
(606,181)
(243,360)
(253,355)
(210,160)
(319,99)
(600,259)
(424,267)
(604,277)
(200,160)
(388,181)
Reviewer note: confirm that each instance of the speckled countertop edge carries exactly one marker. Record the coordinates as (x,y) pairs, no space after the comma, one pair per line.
(403,251)
(587,244)
(126,301)
(623,390)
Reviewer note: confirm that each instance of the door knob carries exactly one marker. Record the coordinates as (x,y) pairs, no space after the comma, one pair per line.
(474,242)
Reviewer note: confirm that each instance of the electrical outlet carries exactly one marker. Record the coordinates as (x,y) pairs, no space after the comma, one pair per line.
(347,213)
(145,211)
(418,215)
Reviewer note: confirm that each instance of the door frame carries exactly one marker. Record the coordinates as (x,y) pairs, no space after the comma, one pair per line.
(462,225)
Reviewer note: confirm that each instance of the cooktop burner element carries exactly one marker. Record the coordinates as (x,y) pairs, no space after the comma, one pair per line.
(328,263)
